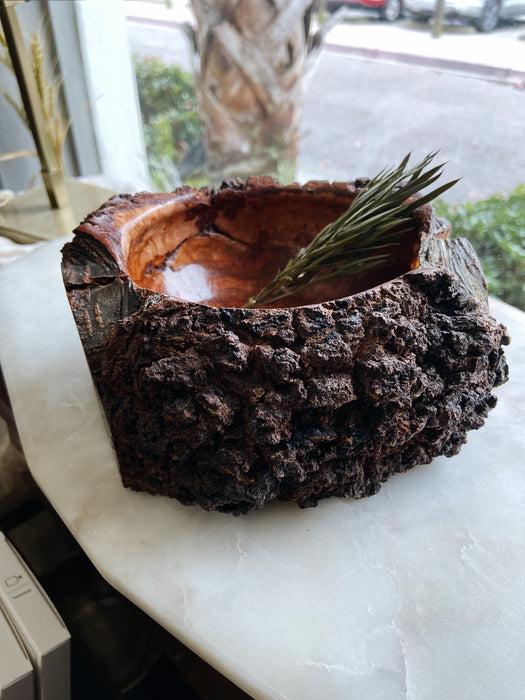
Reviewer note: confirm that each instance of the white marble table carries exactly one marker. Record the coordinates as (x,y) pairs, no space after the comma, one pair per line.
(416,593)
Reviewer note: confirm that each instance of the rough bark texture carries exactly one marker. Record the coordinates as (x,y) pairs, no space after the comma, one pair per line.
(250,61)
(239,409)
(230,408)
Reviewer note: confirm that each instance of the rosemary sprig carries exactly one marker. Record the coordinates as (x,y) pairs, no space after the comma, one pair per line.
(378,217)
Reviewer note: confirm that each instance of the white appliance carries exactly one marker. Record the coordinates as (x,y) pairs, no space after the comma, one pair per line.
(37,643)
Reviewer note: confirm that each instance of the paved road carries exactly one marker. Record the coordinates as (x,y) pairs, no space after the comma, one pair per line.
(361,115)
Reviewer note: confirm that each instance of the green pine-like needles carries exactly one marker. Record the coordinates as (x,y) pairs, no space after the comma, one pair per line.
(377,218)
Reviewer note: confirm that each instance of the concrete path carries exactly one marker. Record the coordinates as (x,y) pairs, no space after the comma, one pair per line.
(500,55)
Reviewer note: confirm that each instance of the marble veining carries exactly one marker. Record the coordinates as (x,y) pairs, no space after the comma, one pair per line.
(413,594)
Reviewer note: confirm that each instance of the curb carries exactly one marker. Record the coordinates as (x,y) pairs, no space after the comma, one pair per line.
(173,23)
(494,73)
(498,74)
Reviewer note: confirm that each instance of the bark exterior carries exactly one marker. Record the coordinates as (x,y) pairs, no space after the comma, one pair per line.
(301,404)
(250,60)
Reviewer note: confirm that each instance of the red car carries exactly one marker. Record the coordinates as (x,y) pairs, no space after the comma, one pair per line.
(389,10)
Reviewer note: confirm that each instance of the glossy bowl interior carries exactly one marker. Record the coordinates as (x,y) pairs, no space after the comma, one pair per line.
(220,250)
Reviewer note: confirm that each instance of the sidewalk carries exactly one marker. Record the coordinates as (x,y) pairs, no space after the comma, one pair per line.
(498,56)
(156,13)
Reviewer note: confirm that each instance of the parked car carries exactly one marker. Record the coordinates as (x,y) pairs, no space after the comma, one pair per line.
(389,10)
(483,14)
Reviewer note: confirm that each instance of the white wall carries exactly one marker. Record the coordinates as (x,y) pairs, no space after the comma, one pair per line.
(112,93)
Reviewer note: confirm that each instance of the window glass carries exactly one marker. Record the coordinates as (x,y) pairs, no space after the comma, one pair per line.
(344,91)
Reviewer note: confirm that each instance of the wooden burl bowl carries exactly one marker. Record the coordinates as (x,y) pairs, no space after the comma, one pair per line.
(327,394)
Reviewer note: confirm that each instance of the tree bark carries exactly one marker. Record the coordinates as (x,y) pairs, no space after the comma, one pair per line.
(437,21)
(250,63)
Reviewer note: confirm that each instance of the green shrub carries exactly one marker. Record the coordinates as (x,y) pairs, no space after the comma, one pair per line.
(496,229)
(169,113)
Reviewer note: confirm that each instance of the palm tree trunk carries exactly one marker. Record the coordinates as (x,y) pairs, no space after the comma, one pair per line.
(250,61)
